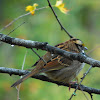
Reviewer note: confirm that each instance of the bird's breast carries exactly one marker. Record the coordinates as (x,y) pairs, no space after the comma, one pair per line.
(66,74)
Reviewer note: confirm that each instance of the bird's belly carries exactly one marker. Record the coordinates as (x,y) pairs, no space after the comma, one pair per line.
(66,74)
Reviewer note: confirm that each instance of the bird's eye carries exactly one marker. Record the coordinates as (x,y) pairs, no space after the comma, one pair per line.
(80,45)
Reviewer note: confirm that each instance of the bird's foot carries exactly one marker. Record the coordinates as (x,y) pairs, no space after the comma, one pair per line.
(72,83)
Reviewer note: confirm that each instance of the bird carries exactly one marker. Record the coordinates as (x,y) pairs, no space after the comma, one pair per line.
(57,67)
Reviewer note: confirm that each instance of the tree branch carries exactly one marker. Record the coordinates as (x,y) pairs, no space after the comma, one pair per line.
(62,27)
(12,71)
(44,46)
(84,75)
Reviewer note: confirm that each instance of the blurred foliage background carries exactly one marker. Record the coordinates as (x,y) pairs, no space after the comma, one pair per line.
(83,22)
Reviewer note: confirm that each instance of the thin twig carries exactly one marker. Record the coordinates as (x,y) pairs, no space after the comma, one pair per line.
(84,93)
(15,28)
(19,18)
(14,21)
(18,88)
(80,82)
(39,56)
(93,49)
(91,96)
(17,93)
(12,31)
(62,27)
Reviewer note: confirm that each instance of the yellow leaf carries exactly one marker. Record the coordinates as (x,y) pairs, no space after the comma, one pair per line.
(32,9)
(35,5)
(60,5)
(29,8)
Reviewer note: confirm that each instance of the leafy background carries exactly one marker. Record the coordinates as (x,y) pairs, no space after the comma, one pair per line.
(83,22)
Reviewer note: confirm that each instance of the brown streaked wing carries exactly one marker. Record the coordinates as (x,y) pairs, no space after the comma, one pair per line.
(53,65)
(64,61)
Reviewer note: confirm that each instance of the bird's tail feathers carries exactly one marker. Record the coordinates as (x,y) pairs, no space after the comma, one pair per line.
(24,78)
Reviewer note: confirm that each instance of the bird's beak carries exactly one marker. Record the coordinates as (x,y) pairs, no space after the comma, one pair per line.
(85,48)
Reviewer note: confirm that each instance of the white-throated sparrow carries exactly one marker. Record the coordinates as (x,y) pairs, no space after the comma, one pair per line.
(58,68)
